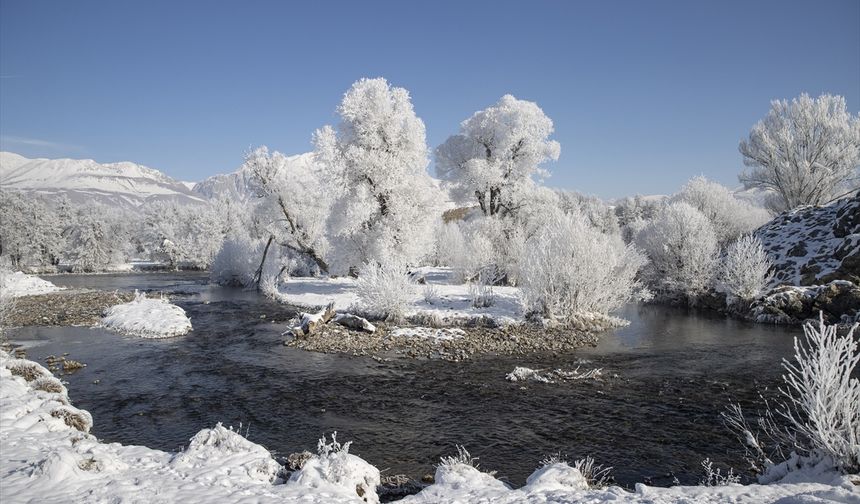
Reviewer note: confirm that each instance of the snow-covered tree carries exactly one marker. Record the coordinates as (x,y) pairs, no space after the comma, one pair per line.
(745,271)
(184,235)
(806,150)
(571,268)
(32,231)
(376,161)
(497,153)
(90,241)
(682,246)
(730,216)
(295,202)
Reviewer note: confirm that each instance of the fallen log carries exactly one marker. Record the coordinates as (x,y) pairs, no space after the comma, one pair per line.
(351,321)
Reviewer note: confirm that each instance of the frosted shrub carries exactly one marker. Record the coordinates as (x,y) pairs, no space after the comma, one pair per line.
(334,466)
(430,293)
(450,244)
(237,261)
(462,457)
(477,259)
(384,291)
(745,270)
(714,476)
(482,295)
(822,399)
(569,267)
(683,248)
(821,406)
(730,216)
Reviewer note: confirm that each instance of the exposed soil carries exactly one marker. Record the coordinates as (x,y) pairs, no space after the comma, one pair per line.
(518,339)
(71,307)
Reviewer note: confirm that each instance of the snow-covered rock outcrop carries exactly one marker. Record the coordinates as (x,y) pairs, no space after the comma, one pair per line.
(815,245)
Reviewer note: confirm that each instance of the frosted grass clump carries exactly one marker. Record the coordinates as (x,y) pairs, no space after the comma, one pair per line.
(334,466)
(147,318)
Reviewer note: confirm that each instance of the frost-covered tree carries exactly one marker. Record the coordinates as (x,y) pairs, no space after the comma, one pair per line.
(806,150)
(376,161)
(745,271)
(730,216)
(32,231)
(497,153)
(184,235)
(90,240)
(571,268)
(682,246)
(295,202)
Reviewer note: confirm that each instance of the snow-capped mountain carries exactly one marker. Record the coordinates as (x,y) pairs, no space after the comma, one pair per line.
(238,185)
(123,184)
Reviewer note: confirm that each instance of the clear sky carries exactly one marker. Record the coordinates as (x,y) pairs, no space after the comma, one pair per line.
(644,94)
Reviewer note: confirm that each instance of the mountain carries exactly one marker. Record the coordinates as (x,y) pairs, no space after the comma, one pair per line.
(238,185)
(122,184)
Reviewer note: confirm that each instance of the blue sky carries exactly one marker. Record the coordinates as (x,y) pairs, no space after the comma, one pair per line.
(644,94)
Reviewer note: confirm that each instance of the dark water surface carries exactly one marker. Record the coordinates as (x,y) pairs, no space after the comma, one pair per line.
(654,415)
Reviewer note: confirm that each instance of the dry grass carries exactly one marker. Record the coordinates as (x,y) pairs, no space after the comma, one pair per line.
(49,384)
(28,370)
(74,418)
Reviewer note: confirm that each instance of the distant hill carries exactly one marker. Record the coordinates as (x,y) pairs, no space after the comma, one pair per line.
(122,184)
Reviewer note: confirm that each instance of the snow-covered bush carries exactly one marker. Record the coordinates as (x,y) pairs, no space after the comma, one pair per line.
(683,248)
(384,291)
(450,244)
(482,295)
(334,467)
(817,423)
(713,476)
(376,159)
(477,259)
(237,261)
(730,216)
(569,267)
(822,399)
(745,271)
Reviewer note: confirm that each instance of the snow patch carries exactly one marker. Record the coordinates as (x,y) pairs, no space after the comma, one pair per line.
(429,333)
(147,318)
(19,284)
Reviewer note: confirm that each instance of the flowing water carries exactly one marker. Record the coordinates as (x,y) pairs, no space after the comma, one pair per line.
(654,415)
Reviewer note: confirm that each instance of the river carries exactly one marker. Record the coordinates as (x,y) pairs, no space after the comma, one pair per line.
(653,417)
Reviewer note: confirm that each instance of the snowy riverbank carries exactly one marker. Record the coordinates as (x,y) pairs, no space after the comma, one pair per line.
(47,456)
(17,284)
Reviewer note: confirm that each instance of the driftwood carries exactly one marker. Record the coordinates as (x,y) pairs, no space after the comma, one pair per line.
(310,323)
(351,321)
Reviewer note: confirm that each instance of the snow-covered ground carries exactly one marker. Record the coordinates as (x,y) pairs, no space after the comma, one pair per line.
(47,456)
(148,318)
(451,303)
(21,284)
